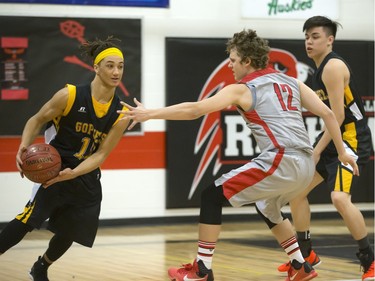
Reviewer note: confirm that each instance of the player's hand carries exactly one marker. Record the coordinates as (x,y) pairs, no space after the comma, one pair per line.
(350,162)
(137,114)
(19,160)
(66,174)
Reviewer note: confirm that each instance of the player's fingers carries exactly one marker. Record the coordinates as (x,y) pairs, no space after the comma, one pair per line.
(127,105)
(131,126)
(355,168)
(125,118)
(48,183)
(138,103)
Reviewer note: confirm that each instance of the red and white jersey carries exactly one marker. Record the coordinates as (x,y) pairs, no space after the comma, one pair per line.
(285,165)
(275,118)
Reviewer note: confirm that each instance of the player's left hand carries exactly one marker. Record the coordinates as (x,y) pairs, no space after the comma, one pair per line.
(66,174)
(19,160)
(347,159)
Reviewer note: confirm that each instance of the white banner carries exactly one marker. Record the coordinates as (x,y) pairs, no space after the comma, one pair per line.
(289,9)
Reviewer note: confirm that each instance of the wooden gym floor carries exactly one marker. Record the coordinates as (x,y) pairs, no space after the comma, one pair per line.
(246,251)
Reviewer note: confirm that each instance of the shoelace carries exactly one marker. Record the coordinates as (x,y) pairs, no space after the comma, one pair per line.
(186,267)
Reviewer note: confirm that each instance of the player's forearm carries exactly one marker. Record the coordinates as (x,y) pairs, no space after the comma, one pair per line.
(182,111)
(90,164)
(334,132)
(30,131)
(323,142)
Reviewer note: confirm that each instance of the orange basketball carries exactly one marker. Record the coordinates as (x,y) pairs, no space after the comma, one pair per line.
(41,162)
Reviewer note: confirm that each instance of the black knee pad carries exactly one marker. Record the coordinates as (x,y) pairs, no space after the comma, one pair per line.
(269,223)
(212,200)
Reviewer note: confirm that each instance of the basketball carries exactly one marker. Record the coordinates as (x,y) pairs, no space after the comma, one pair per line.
(41,162)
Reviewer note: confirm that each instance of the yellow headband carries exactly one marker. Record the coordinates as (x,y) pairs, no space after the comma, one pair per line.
(106,53)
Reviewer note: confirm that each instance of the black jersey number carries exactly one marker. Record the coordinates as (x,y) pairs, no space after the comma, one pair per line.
(285,102)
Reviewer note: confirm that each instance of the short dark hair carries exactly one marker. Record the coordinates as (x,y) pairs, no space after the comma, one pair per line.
(249,45)
(329,25)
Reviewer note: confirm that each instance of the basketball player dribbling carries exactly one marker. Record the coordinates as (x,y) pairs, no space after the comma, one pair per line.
(271,104)
(84,126)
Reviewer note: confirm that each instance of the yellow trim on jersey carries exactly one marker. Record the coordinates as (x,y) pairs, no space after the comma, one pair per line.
(100,109)
(344,180)
(350,135)
(28,210)
(348,95)
(71,98)
(108,52)
(120,115)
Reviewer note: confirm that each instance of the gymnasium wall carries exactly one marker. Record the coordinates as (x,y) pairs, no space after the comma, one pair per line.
(135,175)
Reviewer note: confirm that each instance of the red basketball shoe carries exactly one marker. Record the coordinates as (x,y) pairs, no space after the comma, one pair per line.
(367,264)
(312,259)
(193,272)
(300,272)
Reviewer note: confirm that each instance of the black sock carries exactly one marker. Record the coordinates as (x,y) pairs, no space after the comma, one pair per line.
(296,264)
(304,242)
(363,243)
(366,257)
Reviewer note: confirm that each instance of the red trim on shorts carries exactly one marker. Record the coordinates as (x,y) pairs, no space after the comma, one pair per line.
(250,177)
(254,175)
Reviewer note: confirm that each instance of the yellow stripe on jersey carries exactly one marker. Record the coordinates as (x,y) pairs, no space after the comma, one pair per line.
(71,98)
(344,180)
(350,135)
(24,217)
(120,115)
(348,95)
(351,104)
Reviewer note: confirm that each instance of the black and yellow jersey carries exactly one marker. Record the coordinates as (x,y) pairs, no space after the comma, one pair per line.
(355,131)
(78,132)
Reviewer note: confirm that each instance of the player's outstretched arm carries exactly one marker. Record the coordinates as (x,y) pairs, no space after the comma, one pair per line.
(236,94)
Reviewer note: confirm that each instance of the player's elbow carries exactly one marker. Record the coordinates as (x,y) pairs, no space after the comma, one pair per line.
(327,114)
(193,111)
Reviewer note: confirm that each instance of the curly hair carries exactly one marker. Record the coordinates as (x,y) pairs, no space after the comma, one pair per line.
(249,45)
(93,48)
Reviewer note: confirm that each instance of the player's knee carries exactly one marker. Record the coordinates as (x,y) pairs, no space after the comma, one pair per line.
(213,195)
(269,223)
(340,200)
(212,200)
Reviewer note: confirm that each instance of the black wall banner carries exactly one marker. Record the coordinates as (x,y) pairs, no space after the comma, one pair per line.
(38,56)
(199,151)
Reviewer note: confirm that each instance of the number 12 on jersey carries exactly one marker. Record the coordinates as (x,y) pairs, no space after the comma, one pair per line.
(285,96)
